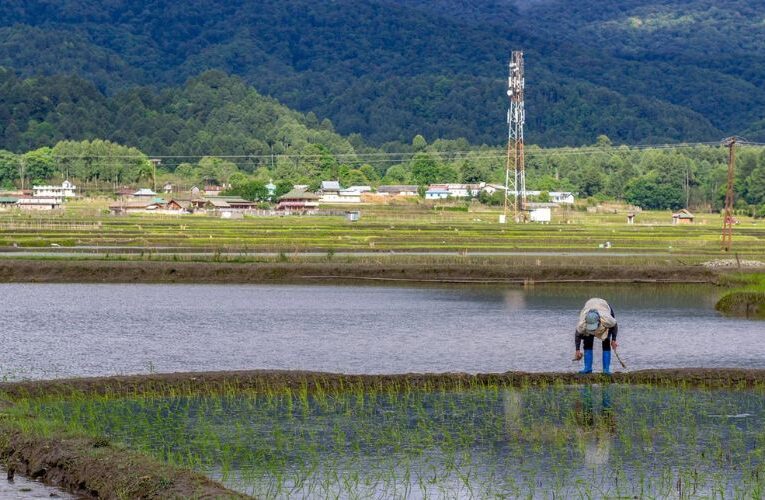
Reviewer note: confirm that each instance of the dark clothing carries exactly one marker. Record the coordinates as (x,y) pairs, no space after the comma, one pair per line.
(589,339)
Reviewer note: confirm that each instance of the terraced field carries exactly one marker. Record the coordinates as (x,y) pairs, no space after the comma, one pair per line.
(381,229)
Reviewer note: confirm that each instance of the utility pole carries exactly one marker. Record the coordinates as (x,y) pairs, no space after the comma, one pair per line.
(22,173)
(154,163)
(727,231)
(516,117)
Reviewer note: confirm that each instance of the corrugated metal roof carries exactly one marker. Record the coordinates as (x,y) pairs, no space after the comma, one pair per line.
(397,187)
(296,194)
(218,203)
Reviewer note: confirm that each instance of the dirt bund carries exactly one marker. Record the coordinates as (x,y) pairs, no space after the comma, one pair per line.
(95,468)
(105,271)
(277,380)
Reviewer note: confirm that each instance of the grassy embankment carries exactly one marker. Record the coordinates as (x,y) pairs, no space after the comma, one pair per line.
(747,299)
(262,431)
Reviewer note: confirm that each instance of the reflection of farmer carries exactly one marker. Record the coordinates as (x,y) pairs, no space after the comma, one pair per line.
(596,320)
(597,427)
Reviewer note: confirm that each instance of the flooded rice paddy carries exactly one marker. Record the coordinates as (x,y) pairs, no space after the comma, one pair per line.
(65,330)
(588,441)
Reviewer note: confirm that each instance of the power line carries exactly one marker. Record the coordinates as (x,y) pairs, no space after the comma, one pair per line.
(401,156)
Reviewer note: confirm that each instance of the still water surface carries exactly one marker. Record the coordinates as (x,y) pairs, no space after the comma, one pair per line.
(63,330)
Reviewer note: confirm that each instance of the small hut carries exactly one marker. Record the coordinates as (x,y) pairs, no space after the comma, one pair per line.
(683,217)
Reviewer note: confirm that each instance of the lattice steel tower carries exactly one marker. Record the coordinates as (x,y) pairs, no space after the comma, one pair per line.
(516,116)
(727,231)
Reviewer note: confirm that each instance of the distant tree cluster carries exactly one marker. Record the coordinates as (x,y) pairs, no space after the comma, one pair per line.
(652,178)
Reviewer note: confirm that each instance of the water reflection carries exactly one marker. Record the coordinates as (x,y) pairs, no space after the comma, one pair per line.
(83,330)
(597,424)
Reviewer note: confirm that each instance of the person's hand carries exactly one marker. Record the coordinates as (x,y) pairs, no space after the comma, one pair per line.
(614,345)
(578,355)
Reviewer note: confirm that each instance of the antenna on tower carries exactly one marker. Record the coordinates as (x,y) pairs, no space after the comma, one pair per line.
(516,117)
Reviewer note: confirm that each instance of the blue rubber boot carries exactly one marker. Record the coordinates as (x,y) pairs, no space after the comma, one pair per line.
(607,362)
(587,361)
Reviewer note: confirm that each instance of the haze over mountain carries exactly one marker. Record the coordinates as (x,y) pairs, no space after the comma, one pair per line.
(639,71)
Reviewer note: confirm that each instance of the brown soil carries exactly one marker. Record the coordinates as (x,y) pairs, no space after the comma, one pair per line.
(103,271)
(92,468)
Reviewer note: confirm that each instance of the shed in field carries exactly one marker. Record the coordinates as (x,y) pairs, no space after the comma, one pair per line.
(683,217)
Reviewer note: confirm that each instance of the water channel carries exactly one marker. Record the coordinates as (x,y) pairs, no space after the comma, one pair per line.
(66,330)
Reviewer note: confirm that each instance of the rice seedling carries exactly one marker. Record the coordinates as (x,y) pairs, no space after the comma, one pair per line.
(478,438)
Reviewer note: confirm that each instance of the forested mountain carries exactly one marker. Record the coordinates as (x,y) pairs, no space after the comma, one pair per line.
(639,71)
(213,114)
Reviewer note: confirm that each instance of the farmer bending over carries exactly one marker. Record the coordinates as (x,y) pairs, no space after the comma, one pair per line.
(596,320)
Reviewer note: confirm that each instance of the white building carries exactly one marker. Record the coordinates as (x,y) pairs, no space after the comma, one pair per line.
(437,192)
(332,193)
(490,189)
(359,189)
(540,214)
(65,190)
(563,197)
(144,193)
(559,197)
(39,203)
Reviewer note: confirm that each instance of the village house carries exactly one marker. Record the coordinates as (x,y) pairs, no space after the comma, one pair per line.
(490,189)
(683,217)
(124,192)
(8,202)
(329,192)
(437,192)
(144,193)
(39,203)
(562,197)
(441,191)
(398,190)
(228,207)
(137,206)
(464,190)
(65,190)
(213,190)
(359,189)
(178,206)
(297,201)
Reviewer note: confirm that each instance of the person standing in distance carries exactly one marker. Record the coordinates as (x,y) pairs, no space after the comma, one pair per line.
(596,320)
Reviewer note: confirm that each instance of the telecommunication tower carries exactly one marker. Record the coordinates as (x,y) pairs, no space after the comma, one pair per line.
(516,116)
(727,232)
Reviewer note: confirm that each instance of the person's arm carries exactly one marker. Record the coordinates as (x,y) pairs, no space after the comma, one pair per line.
(614,329)
(577,340)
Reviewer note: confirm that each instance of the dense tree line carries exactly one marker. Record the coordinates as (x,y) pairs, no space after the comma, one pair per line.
(653,178)
(640,71)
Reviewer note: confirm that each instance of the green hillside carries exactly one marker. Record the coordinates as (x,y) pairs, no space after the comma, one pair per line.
(637,71)
(212,114)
